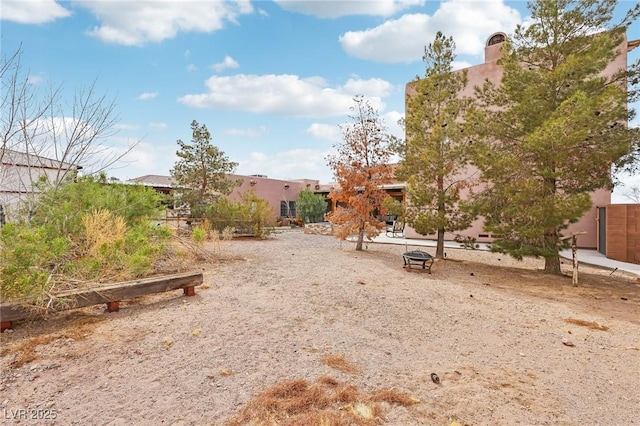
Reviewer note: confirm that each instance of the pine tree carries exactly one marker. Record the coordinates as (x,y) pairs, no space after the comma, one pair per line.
(549,134)
(361,167)
(434,155)
(202,169)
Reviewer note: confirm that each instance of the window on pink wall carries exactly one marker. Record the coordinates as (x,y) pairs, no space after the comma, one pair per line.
(287,209)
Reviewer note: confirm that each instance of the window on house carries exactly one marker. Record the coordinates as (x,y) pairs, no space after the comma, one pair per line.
(287,209)
(496,38)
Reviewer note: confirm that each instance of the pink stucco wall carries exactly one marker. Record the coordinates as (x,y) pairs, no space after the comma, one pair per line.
(272,190)
(588,223)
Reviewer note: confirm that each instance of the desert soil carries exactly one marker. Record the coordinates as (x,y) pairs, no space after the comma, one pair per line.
(509,344)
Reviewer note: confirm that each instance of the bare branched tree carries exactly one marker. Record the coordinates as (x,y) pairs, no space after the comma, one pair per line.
(20,106)
(46,140)
(632,193)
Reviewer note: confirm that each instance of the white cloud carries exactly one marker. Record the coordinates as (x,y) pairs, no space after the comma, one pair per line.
(227,63)
(123,126)
(325,131)
(35,79)
(144,159)
(306,163)
(252,133)
(285,94)
(458,65)
(470,23)
(400,40)
(373,87)
(191,68)
(48,136)
(333,133)
(135,23)
(391,119)
(335,9)
(293,164)
(32,11)
(158,126)
(72,140)
(146,96)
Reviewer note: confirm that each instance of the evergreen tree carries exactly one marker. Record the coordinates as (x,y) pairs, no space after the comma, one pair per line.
(310,207)
(202,169)
(434,156)
(549,134)
(361,167)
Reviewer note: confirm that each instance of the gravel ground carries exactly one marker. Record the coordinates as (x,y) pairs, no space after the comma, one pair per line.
(495,332)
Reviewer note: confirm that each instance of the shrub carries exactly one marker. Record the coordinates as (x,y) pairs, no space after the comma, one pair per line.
(224,214)
(84,230)
(252,214)
(121,253)
(466,242)
(393,207)
(310,206)
(258,213)
(199,234)
(28,257)
(61,210)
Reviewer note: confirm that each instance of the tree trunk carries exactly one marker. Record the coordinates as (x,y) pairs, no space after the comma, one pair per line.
(552,265)
(442,211)
(440,244)
(360,238)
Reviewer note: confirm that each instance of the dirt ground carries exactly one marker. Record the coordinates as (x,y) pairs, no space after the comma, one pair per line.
(483,340)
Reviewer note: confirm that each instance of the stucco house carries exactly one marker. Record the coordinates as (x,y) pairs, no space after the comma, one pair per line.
(490,70)
(281,194)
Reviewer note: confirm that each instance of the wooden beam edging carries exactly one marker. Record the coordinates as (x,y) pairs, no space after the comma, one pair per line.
(110,294)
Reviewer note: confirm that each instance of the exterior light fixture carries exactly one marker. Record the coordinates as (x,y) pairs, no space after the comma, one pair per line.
(252,182)
(286,186)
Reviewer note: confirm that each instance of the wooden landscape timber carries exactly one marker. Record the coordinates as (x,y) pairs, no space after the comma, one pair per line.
(110,294)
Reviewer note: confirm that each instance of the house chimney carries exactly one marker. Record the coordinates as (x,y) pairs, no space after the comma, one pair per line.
(492,50)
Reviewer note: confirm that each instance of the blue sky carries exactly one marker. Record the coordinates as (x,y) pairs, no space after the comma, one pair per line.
(272,80)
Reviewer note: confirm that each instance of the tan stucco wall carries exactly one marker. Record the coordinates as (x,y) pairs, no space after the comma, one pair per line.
(623,232)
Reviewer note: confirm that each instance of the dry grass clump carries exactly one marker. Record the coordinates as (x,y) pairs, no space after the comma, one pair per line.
(26,351)
(102,228)
(337,361)
(185,251)
(589,324)
(327,402)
